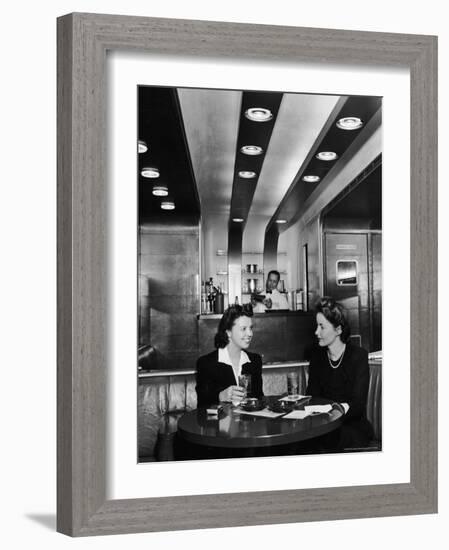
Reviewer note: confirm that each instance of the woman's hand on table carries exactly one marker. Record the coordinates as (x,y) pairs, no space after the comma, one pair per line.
(337,410)
(232,393)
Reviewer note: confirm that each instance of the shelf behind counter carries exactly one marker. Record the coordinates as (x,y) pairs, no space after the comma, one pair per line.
(278,335)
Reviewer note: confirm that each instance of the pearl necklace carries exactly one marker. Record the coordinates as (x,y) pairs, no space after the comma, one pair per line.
(339,360)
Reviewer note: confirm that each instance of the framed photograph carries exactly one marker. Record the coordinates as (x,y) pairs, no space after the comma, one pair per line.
(207,168)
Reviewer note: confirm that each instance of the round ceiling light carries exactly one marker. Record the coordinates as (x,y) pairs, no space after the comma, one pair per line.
(150,172)
(167,205)
(258,114)
(327,155)
(311,178)
(350,123)
(160,191)
(238,220)
(142,147)
(251,150)
(281,221)
(247,174)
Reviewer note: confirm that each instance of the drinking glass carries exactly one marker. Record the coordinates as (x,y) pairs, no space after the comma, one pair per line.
(292,384)
(245,383)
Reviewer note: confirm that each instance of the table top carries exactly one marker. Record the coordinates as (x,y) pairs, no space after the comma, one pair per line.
(234,429)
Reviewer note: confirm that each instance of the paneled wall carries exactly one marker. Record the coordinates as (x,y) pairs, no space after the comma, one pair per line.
(294,239)
(169,279)
(277,336)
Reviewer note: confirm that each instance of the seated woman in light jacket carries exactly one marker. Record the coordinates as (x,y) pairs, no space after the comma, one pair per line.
(218,371)
(339,371)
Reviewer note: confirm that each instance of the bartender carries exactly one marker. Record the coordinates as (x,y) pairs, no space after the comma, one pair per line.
(273,299)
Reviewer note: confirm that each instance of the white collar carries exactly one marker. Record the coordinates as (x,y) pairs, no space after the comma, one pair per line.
(223,357)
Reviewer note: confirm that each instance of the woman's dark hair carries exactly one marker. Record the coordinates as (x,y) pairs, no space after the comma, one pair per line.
(335,314)
(230,316)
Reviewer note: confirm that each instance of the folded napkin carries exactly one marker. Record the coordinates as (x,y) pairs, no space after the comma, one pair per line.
(296,415)
(311,409)
(264,412)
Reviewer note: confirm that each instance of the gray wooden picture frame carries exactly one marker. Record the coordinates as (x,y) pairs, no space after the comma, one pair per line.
(83,40)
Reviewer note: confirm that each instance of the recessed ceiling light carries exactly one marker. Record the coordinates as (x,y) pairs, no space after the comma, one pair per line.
(238,220)
(251,150)
(259,114)
(142,147)
(160,191)
(281,221)
(167,205)
(221,252)
(311,179)
(247,174)
(327,155)
(150,172)
(350,123)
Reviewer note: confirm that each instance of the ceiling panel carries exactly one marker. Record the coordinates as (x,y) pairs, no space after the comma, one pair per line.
(211,121)
(299,121)
(252,133)
(195,137)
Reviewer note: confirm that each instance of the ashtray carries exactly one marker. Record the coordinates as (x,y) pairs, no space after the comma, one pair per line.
(282,406)
(251,404)
(301,402)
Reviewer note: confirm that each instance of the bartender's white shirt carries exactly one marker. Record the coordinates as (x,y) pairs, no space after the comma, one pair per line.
(223,357)
(259,308)
(279,300)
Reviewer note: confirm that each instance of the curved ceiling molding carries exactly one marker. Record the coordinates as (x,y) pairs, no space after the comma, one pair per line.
(331,138)
(251,133)
(211,120)
(300,119)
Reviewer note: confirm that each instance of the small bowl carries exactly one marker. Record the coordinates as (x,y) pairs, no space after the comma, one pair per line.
(281,406)
(251,404)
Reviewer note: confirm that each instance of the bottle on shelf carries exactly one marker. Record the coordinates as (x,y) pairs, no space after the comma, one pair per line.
(236,302)
(300,299)
(219,301)
(211,296)
(203,297)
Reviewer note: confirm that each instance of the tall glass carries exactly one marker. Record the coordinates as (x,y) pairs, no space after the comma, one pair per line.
(293,384)
(245,384)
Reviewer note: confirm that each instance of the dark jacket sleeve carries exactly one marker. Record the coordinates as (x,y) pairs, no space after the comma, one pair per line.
(358,370)
(256,375)
(207,387)
(314,386)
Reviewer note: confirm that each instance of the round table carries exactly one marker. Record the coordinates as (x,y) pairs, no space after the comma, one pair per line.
(234,429)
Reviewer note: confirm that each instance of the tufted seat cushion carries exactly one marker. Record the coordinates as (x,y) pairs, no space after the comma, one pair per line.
(374,401)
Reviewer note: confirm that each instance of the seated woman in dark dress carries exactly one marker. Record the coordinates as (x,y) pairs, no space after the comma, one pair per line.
(218,372)
(339,371)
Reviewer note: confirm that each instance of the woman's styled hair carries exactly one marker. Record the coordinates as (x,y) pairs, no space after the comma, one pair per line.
(230,316)
(335,314)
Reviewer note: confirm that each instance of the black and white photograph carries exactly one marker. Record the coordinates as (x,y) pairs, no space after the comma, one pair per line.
(221,255)
(259,273)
